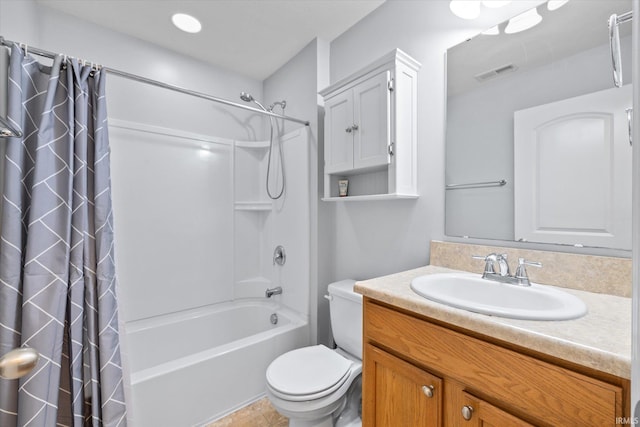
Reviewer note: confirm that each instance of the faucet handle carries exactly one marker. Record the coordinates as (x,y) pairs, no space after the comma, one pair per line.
(521,271)
(279,255)
(488,260)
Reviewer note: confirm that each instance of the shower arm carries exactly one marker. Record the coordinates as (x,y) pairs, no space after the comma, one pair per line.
(282,104)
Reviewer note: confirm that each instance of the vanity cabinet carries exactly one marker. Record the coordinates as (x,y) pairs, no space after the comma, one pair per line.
(402,394)
(479,413)
(476,381)
(370,131)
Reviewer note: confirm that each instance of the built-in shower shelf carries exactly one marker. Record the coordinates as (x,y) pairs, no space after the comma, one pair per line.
(252,144)
(253,206)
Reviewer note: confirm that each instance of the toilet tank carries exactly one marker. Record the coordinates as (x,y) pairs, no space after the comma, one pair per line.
(346,316)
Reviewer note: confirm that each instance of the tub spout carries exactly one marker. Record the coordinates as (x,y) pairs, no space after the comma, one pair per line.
(273,291)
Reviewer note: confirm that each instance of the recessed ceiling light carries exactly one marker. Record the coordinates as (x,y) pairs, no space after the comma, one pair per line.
(495,3)
(465,9)
(186,23)
(470,9)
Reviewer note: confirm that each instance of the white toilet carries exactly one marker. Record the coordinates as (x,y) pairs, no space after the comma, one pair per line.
(319,387)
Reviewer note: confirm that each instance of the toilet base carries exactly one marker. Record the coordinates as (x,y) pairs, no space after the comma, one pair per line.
(351,414)
(322,422)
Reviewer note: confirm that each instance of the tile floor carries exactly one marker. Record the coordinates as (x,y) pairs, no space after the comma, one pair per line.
(258,414)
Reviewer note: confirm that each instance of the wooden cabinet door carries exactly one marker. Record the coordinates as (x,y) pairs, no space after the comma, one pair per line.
(398,394)
(479,413)
(338,125)
(372,116)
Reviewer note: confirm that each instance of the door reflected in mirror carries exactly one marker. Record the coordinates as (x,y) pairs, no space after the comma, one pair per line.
(537,110)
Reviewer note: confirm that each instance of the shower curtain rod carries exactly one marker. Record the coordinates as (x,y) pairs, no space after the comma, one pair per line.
(47,54)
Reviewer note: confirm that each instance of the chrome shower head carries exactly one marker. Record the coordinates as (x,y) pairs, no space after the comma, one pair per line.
(246,97)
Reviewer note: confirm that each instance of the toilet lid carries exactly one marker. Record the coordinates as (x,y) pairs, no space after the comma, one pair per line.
(308,370)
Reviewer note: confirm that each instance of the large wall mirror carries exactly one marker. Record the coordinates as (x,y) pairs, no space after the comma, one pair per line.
(537,137)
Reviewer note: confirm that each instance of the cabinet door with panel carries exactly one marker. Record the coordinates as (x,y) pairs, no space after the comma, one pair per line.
(479,413)
(357,126)
(398,393)
(338,151)
(371,124)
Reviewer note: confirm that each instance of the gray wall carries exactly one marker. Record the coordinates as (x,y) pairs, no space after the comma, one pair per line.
(377,238)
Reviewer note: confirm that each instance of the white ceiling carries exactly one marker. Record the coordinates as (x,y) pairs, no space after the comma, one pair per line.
(250,37)
(575,27)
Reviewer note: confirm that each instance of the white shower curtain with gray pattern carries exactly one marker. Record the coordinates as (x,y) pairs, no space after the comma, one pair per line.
(57,275)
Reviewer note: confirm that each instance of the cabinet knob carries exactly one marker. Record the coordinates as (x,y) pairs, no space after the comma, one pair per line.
(428,390)
(348,130)
(355,127)
(467,412)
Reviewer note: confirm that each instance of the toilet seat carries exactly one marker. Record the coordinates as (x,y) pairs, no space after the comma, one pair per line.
(308,373)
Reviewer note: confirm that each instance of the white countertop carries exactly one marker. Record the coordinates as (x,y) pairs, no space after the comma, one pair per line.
(600,340)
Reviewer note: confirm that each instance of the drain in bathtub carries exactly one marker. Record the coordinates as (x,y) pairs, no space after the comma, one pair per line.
(274,319)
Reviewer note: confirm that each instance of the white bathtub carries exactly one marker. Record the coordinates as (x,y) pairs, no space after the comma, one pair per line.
(193,367)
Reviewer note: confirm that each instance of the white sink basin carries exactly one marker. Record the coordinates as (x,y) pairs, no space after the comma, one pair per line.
(472,292)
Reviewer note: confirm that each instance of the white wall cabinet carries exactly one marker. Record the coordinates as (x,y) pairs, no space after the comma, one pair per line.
(370,131)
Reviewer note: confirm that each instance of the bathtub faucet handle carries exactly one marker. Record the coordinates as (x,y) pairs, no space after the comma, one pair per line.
(273,291)
(279,255)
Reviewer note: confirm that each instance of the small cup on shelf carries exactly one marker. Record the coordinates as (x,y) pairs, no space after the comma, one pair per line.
(343,186)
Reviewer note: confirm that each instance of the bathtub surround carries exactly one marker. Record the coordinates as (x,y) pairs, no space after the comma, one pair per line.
(57,272)
(219,268)
(186,360)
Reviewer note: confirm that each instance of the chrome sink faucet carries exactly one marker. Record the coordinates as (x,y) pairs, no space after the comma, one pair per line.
(491,261)
(503,274)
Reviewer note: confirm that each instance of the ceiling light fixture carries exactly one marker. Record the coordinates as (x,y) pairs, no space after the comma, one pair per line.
(465,9)
(556,4)
(495,3)
(470,9)
(186,23)
(524,21)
